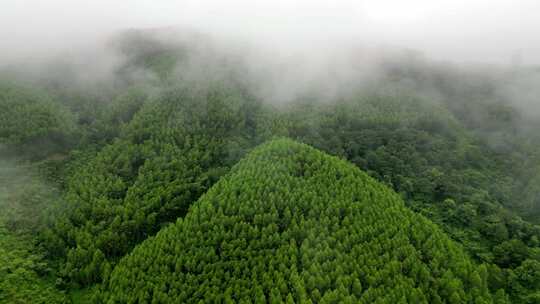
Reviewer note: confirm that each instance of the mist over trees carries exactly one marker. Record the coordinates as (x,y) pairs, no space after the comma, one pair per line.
(141,167)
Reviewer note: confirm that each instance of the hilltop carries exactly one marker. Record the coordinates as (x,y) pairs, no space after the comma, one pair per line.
(292,224)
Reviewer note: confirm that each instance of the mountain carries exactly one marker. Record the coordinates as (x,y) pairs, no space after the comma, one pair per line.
(292,224)
(128,149)
(171,152)
(31,121)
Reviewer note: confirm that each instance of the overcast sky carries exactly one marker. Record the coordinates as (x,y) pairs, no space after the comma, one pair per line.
(459,30)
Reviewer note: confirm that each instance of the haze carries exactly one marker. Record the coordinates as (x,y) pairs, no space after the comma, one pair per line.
(496,31)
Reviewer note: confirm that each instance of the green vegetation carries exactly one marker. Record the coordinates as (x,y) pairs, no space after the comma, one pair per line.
(25,276)
(164,160)
(30,119)
(94,178)
(290,223)
(441,170)
(422,152)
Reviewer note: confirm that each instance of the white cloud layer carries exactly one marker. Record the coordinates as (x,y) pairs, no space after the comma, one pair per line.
(458,30)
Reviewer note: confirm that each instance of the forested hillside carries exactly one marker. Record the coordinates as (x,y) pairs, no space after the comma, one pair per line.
(291,224)
(97,174)
(31,122)
(169,155)
(25,276)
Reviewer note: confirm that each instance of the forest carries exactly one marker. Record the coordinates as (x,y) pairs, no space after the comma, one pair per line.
(177,181)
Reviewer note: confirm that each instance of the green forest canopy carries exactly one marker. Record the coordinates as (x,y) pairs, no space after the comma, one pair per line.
(131,157)
(292,224)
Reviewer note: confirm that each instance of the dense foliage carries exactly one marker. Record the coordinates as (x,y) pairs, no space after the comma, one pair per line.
(91,170)
(172,152)
(291,224)
(30,119)
(441,170)
(422,152)
(23,272)
(25,276)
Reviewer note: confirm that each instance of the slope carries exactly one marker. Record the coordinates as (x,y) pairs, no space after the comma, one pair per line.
(25,276)
(168,155)
(31,122)
(292,224)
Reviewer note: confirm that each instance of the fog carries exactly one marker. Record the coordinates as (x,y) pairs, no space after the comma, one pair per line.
(443,95)
(286,48)
(489,31)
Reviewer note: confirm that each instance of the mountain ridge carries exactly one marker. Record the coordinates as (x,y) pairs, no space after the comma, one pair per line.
(322,232)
